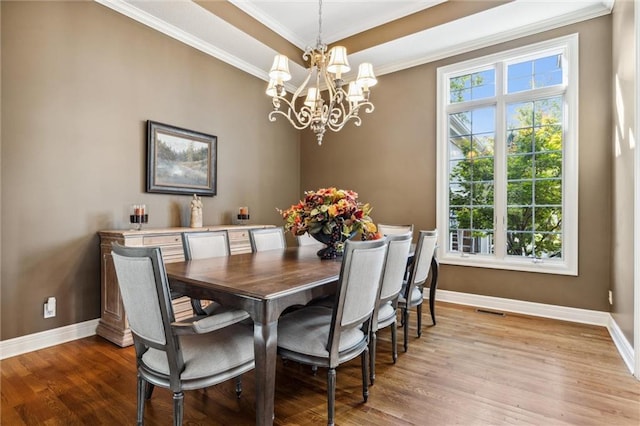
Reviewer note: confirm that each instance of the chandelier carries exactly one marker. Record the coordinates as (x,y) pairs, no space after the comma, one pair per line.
(325,72)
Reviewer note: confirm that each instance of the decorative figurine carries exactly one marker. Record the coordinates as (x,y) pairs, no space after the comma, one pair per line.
(196,212)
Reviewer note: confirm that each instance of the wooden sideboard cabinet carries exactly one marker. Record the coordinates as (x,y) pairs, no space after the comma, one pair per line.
(113,323)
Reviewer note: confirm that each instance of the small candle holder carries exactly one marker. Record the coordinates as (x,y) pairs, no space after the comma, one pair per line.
(243,215)
(138,215)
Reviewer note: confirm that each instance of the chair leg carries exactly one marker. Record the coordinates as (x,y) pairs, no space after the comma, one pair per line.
(372,357)
(148,390)
(435,267)
(365,383)
(141,398)
(405,324)
(331,396)
(432,309)
(238,386)
(394,341)
(419,313)
(178,408)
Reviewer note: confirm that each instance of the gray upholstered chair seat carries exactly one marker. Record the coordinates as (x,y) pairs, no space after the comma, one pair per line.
(307,331)
(386,314)
(199,358)
(416,296)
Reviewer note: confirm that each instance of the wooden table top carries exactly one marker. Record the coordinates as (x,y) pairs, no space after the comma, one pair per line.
(264,275)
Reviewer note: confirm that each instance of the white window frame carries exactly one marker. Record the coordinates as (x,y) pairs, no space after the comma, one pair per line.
(568,265)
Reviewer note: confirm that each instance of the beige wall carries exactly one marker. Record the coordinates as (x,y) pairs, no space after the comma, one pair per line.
(624,122)
(79,82)
(391,161)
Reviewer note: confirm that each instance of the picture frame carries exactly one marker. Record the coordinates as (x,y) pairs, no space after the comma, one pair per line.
(180,161)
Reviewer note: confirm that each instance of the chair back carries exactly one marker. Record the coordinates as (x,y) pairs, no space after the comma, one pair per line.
(395,266)
(385,229)
(425,249)
(147,301)
(358,288)
(267,239)
(206,244)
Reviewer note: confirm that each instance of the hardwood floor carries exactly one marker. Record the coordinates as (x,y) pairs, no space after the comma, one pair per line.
(471,369)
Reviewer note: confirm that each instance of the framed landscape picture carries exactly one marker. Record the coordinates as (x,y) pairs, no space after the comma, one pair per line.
(180,161)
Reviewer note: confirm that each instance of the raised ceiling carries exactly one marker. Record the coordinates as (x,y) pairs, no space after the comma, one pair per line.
(391,34)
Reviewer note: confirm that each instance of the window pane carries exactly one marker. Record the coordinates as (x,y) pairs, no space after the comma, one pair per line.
(459,194)
(460,124)
(548,192)
(548,219)
(548,245)
(547,71)
(460,171)
(482,218)
(548,111)
(549,165)
(520,193)
(534,74)
(478,85)
(520,141)
(458,147)
(548,138)
(519,219)
(520,167)
(483,120)
(519,115)
(482,194)
(519,243)
(483,169)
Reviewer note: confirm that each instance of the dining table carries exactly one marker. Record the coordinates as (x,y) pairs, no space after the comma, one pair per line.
(264,284)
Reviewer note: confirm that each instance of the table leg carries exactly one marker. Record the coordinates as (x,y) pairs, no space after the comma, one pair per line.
(265,346)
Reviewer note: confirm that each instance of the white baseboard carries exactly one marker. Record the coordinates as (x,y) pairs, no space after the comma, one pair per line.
(624,346)
(564,313)
(44,339)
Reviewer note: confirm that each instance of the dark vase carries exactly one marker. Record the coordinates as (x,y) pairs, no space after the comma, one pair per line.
(334,244)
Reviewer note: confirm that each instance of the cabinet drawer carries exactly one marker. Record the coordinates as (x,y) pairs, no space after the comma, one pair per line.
(238,236)
(161,240)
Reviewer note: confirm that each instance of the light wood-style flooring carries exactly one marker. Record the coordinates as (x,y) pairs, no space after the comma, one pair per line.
(471,369)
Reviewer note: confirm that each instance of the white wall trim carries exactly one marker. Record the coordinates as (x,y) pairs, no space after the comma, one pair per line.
(563,313)
(622,344)
(45,339)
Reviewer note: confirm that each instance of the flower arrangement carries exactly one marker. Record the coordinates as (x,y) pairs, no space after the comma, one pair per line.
(330,211)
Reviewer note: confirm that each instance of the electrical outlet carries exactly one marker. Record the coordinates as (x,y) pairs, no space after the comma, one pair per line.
(50,308)
(610,297)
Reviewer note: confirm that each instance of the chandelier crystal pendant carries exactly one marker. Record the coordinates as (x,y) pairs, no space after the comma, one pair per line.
(325,72)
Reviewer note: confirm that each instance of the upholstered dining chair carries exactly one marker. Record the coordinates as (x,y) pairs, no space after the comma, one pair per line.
(203,245)
(267,239)
(321,337)
(395,265)
(386,229)
(172,354)
(411,295)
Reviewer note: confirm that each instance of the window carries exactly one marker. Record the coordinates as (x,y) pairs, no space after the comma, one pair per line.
(507,159)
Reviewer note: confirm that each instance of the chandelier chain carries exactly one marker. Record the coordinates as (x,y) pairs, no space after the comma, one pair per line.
(319,39)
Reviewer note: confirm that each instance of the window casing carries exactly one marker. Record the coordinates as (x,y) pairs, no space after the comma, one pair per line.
(507,178)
